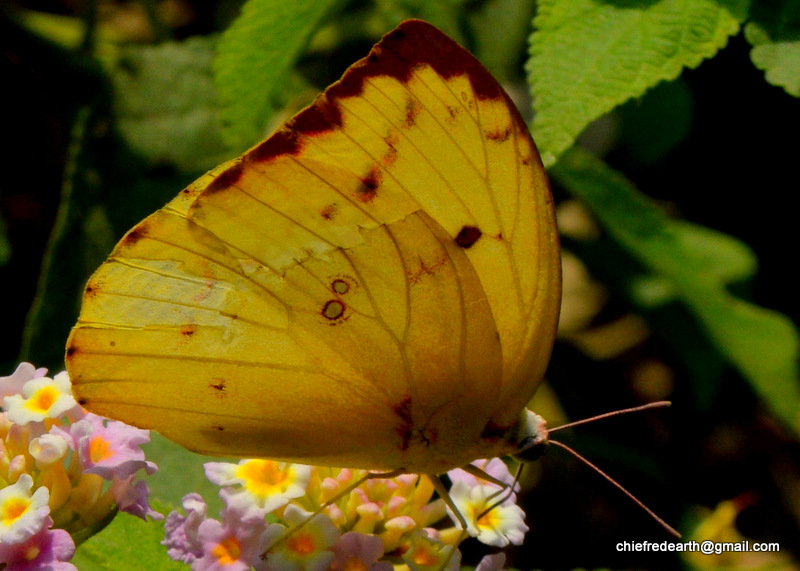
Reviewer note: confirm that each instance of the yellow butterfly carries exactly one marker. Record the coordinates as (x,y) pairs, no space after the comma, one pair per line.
(376,285)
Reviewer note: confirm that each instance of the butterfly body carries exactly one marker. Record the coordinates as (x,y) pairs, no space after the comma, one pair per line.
(375,286)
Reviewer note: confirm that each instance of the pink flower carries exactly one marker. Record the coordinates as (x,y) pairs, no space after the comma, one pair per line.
(132,498)
(181,538)
(47,550)
(492,562)
(359,551)
(230,545)
(111,449)
(12,384)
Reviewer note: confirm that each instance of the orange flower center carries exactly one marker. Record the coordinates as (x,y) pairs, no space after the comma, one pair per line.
(354,564)
(99,449)
(302,544)
(43,399)
(424,557)
(12,509)
(227,551)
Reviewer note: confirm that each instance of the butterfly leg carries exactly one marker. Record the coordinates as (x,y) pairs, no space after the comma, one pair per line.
(503,493)
(438,485)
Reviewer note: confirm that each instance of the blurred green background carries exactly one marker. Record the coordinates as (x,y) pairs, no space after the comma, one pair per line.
(670,130)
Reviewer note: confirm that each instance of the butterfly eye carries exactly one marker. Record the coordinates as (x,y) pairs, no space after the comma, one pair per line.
(531,449)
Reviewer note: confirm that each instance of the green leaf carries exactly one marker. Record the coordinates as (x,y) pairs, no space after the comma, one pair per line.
(762,344)
(654,124)
(774,34)
(444,14)
(721,256)
(80,239)
(66,31)
(172,460)
(254,58)
(127,544)
(588,56)
(165,104)
(500,29)
(5,245)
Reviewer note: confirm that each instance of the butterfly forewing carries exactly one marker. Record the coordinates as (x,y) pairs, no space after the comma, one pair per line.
(373,286)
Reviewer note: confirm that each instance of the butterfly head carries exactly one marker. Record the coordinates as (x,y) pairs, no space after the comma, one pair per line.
(533,438)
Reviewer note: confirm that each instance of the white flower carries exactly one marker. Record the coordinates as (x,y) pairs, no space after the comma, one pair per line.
(499,526)
(264,484)
(41,398)
(22,515)
(48,449)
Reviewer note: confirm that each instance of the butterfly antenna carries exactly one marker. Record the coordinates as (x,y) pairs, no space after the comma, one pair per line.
(657,404)
(669,529)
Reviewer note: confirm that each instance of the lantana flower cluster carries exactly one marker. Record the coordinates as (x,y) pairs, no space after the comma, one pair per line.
(64,473)
(290,517)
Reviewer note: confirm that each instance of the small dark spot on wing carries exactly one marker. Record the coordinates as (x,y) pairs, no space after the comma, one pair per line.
(425,269)
(452,114)
(405,428)
(413,109)
(93,288)
(368,189)
(404,431)
(340,286)
(333,310)
(499,136)
(403,408)
(328,212)
(467,236)
(390,156)
(217,386)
